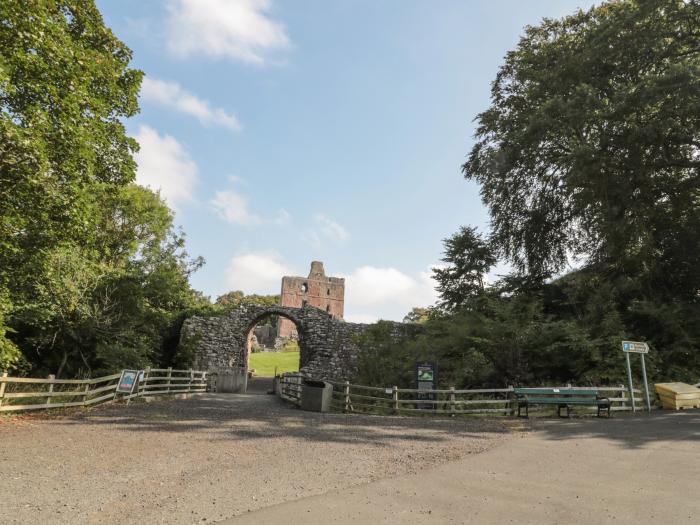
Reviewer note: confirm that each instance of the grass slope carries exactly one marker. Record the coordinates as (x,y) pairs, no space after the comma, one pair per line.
(264,363)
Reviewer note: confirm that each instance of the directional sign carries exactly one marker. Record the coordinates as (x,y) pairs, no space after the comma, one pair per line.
(635,347)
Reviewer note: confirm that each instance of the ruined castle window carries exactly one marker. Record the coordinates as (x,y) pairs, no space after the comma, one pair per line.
(304,287)
(328,292)
(303,304)
(328,308)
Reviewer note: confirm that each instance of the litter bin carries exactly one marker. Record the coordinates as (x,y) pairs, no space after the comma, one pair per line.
(316,395)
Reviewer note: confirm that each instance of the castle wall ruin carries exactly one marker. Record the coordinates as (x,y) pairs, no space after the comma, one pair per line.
(316,290)
(327,345)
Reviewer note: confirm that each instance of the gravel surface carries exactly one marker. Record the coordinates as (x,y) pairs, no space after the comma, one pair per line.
(211,457)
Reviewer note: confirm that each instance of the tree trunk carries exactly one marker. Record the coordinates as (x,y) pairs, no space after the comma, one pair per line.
(64,359)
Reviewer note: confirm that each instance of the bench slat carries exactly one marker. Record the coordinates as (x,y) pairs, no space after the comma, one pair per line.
(555,391)
(564,401)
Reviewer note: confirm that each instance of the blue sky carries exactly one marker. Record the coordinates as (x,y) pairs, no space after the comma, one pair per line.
(283,132)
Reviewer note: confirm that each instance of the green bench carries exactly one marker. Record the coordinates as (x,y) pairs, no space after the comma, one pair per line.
(562,397)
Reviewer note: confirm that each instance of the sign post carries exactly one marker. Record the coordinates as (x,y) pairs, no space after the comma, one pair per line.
(635,347)
(426,379)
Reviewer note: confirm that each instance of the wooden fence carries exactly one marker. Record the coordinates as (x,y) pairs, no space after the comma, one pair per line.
(348,397)
(24,393)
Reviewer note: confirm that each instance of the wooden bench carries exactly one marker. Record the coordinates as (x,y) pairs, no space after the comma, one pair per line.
(562,397)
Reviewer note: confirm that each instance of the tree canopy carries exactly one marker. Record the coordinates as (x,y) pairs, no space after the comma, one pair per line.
(92,274)
(590,146)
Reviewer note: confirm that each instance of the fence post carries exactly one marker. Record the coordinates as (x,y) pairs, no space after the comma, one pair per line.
(189,385)
(146,375)
(510,396)
(51,377)
(395,398)
(2,387)
(452,401)
(623,395)
(86,391)
(170,375)
(346,391)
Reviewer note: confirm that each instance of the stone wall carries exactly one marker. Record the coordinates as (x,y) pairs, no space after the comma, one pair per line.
(327,345)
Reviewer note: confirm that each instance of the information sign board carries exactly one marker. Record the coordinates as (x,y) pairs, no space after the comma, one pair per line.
(426,379)
(128,381)
(635,347)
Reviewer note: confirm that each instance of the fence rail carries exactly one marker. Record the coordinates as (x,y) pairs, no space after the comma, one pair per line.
(24,393)
(349,397)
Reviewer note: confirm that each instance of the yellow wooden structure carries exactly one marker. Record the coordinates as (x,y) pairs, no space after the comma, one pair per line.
(676,396)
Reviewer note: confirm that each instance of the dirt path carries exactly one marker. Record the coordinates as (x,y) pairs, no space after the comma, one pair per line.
(635,470)
(211,458)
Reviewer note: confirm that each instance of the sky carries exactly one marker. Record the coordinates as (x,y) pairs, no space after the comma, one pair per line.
(282,132)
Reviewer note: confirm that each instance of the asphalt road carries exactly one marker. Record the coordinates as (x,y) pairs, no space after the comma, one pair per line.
(211,457)
(641,469)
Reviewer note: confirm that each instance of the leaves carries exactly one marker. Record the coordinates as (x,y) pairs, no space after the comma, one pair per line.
(92,274)
(590,144)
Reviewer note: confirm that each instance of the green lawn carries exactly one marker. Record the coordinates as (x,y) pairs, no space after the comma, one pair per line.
(264,363)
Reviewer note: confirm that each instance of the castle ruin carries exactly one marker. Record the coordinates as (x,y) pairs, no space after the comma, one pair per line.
(317,290)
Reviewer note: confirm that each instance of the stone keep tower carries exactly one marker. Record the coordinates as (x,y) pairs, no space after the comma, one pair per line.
(317,290)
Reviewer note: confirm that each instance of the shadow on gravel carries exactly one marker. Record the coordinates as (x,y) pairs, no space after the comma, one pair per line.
(627,430)
(248,417)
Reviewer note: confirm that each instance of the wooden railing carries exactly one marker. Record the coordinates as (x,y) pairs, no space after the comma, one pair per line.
(24,393)
(349,397)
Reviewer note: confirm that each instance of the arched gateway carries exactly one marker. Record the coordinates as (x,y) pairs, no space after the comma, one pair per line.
(327,346)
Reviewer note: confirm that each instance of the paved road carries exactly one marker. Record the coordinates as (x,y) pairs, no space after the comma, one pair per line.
(209,458)
(641,469)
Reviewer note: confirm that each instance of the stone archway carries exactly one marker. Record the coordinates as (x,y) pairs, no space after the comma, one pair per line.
(327,346)
(293,320)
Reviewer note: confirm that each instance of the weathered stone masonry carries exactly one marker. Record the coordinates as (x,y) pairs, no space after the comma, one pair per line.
(325,293)
(328,348)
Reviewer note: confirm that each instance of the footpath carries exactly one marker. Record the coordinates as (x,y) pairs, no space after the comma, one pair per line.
(632,469)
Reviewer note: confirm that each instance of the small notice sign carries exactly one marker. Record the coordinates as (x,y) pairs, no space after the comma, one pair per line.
(635,347)
(128,381)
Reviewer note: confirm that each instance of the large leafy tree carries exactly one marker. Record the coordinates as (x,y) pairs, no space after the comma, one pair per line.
(92,275)
(65,85)
(468,258)
(591,146)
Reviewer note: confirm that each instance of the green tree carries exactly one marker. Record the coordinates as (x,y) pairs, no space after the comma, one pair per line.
(65,87)
(469,258)
(117,302)
(590,145)
(417,315)
(237,298)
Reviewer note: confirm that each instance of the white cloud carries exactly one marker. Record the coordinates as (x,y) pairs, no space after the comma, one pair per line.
(172,95)
(373,293)
(283,217)
(331,229)
(233,208)
(235,179)
(259,273)
(164,165)
(312,239)
(237,29)
(325,229)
